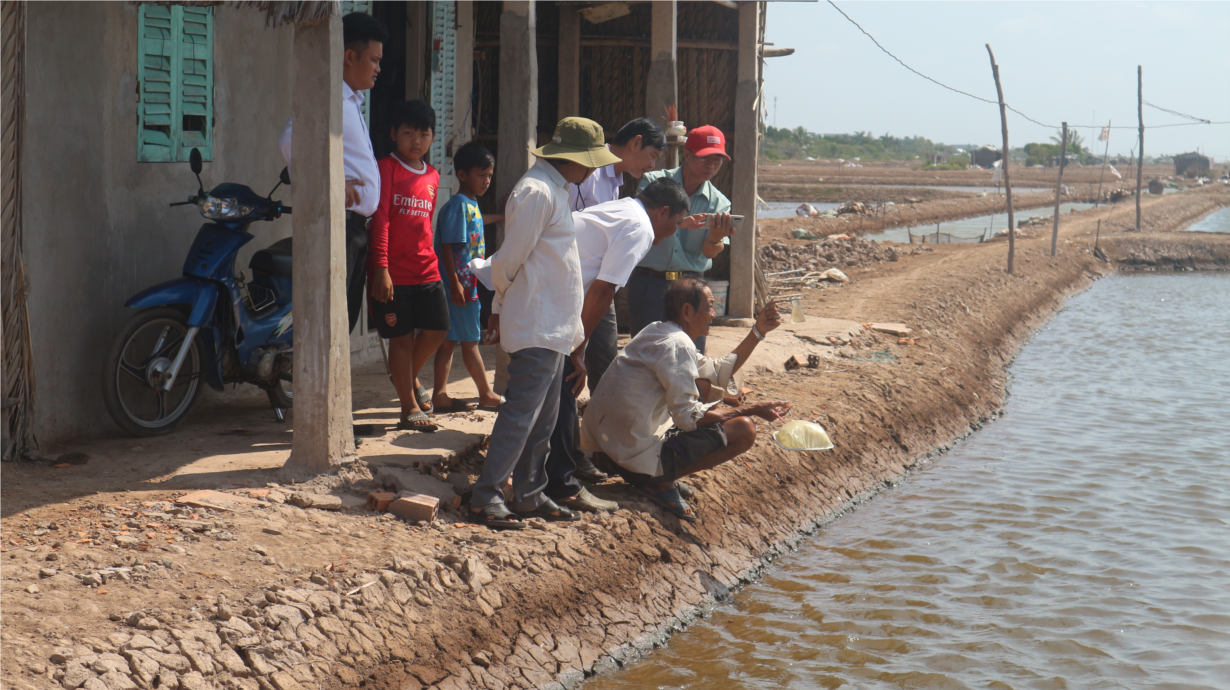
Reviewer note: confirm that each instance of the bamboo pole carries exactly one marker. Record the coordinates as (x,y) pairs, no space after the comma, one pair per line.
(1140,114)
(1003,120)
(1105,154)
(1063,158)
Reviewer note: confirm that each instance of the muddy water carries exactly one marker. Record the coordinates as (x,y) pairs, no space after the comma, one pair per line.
(1080,541)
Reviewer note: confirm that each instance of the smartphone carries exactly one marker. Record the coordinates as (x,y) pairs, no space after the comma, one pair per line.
(735,221)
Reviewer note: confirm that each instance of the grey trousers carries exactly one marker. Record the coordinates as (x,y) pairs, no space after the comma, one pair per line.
(647,304)
(602,348)
(521,437)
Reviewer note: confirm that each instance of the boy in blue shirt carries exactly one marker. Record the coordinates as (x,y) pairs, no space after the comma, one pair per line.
(459,238)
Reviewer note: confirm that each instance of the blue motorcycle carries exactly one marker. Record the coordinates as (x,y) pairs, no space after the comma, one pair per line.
(210,325)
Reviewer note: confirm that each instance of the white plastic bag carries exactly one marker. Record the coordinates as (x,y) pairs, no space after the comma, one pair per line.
(801,435)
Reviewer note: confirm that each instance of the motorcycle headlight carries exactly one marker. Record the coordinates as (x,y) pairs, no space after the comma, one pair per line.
(223,208)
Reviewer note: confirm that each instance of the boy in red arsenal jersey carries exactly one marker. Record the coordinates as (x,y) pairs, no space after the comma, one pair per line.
(406,291)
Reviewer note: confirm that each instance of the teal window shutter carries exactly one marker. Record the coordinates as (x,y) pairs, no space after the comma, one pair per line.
(175,82)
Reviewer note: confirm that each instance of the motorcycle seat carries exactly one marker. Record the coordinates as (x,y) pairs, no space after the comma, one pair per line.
(274,260)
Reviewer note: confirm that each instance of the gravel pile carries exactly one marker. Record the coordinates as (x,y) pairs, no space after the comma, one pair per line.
(825,253)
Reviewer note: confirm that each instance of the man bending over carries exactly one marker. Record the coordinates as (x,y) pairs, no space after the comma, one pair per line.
(652,412)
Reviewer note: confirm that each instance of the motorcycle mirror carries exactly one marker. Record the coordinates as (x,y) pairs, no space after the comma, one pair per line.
(194,162)
(284,176)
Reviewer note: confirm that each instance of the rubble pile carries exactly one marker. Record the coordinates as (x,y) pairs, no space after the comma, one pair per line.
(825,253)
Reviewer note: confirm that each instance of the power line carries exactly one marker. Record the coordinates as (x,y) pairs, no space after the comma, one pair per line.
(1198,120)
(1175,112)
(934,81)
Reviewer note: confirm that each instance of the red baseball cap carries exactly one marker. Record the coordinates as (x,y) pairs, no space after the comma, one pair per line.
(706,141)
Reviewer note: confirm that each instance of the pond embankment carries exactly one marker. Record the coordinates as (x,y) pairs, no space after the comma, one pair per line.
(277,597)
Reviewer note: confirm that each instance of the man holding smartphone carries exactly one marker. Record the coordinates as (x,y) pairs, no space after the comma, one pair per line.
(689,253)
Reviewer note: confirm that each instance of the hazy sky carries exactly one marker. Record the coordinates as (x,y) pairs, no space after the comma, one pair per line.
(1058,61)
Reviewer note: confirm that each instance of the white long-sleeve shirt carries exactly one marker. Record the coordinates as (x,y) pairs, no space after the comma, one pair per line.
(536,273)
(358,158)
(649,387)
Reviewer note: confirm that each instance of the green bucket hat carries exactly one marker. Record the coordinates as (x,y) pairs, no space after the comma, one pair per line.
(581,141)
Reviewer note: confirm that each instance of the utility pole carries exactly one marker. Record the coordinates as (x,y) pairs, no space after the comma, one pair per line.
(1003,121)
(1063,158)
(1097,202)
(1140,114)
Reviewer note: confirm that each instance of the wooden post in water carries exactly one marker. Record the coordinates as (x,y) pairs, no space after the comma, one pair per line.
(1063,157)
(1003,121)
(1097,235)
(1140,114)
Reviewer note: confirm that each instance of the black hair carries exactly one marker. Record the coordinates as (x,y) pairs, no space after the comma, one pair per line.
(650,132)
(472,155)
(664,191)
(359,29)
(683,291)
(416,114)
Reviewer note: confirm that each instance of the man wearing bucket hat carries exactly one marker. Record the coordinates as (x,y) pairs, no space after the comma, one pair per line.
(536,317)
(690,252)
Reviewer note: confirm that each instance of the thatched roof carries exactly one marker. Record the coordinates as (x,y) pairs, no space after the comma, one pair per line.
(276,13)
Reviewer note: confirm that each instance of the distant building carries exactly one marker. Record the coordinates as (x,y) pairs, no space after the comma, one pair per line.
(1192,163)
(984,156)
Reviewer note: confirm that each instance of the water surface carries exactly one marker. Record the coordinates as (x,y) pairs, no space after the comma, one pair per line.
(1081,541)
(970,229)
(1218,221)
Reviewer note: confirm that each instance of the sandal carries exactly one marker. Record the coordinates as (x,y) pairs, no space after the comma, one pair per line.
(493,408)
(419,421)
(551,512)
(454,406)
(495,516)
(685,489)
(670,500)
(423,398)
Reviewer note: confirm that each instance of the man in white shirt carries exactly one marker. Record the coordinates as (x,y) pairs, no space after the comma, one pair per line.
(652,413)
(363,37)
(536,317)
(639,144)
(611,239)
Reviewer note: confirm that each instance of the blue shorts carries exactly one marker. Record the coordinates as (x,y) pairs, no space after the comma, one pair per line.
(463,324)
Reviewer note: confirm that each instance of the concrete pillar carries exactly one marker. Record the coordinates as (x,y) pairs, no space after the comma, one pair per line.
(322,414)
(517,133)
(569,61)
(417,32)
(662,88)
(746,144)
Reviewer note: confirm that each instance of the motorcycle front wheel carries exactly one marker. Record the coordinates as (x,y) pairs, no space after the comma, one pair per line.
(282,395)
(140,358)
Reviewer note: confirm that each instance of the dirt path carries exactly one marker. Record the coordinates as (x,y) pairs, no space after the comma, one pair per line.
(122,589)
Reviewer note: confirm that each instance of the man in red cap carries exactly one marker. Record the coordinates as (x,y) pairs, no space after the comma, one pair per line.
(689,252)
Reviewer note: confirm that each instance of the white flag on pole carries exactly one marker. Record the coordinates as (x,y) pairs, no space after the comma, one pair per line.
(1105,135)
(1114,172)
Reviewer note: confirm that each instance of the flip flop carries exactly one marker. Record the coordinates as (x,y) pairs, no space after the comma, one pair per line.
(547,511)
(408,424)
(495,516)
(670,500)
(685,489)
(423,398)
(493,408)
(455,406)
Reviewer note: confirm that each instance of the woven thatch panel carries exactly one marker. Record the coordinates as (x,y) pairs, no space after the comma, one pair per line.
(18,384)
(707,81)
(613,81)
(277,11)
(708,21)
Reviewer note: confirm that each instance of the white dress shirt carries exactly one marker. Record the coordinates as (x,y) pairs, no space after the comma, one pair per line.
(358,158)
(536,273)
(649,387)
(600,187)
(612,238)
